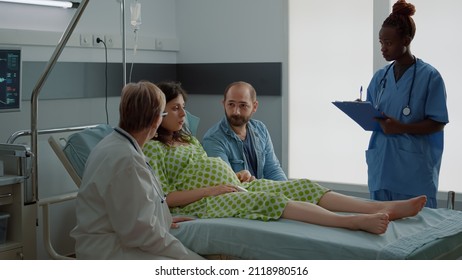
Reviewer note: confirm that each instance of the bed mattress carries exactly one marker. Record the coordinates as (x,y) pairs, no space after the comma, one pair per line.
(432,234)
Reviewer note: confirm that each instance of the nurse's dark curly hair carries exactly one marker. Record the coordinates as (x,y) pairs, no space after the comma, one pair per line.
(400,18)
(172,90)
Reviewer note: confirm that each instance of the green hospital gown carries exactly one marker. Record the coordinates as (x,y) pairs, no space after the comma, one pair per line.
(188,167)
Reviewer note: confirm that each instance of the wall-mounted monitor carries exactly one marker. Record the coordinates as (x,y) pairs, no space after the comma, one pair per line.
(10,79)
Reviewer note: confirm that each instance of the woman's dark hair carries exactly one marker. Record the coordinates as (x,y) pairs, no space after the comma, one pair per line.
(172,90)
(400,18)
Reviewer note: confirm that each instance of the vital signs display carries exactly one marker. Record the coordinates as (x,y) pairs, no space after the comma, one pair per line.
(10,79)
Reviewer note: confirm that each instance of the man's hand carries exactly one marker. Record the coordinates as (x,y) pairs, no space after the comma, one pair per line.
(245,176)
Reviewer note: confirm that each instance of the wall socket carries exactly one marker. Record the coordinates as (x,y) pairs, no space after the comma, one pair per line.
(95,43)
(166,44)
(109,40)
(159,44)
(89,40)
(86,40)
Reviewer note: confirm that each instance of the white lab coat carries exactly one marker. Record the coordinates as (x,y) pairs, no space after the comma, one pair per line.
(119,208)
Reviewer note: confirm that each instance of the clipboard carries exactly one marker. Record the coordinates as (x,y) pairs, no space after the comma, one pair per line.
(362,112)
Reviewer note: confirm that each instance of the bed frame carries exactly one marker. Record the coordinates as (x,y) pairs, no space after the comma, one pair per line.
(57,145)
(432,234)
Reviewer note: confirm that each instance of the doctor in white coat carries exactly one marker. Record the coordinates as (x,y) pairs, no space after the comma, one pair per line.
(121,209)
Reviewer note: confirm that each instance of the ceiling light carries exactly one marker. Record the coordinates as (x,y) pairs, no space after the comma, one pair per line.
(50,3)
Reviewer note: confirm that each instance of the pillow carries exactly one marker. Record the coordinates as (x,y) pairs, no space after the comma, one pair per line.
(192,122)
(80,144)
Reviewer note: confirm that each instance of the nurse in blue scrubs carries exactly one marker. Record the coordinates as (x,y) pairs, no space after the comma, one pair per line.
(404,158)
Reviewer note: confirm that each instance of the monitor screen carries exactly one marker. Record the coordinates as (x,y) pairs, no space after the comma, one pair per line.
(10,79)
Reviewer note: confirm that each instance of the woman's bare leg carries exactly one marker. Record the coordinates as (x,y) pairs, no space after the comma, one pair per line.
(395,209)
(314,214)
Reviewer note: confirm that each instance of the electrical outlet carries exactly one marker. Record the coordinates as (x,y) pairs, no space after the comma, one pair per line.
(85,40)
(159,44)
(166,44)
(109,40)
(95,43)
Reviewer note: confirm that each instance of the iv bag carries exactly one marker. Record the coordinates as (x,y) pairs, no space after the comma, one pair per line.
(135,9)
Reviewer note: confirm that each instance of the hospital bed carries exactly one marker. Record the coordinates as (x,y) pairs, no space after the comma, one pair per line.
(432,234)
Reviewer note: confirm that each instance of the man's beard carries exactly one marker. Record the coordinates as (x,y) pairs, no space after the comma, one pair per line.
(238,120)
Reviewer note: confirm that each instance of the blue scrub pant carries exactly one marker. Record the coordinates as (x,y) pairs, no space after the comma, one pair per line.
(386,195)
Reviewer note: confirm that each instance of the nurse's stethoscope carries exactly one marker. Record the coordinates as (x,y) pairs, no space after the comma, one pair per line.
(383,82)
(162,196)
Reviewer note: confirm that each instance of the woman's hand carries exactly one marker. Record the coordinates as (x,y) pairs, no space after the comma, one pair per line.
(183,198)
(393,126)
(219,190)
(245,176)
(390,125)
(177,220)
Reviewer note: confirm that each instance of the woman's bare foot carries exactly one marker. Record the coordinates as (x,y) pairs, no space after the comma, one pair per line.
(404,208)
(373,223)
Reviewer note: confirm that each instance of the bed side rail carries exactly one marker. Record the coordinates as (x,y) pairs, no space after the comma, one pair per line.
(451,199)
(21,133)
(45,203)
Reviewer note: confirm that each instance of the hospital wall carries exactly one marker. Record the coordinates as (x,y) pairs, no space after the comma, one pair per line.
(207,31)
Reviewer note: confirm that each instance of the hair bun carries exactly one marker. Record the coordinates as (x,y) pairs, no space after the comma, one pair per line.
(403,8)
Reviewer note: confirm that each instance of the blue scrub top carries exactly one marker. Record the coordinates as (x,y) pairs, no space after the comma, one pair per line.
(407,163)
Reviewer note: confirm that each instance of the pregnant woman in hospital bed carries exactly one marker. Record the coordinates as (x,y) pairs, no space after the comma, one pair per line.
(207,187)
